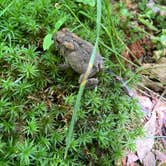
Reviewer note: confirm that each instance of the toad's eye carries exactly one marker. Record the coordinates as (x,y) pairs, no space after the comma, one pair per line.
(58,40)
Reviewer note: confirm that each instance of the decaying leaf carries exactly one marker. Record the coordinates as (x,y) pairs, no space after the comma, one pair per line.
(149,159)
(131,158)
(160,156)
(155,75)
(161,112)
(156,71)
(156,8)
(158,54)
(161,120)
(136,50)
(151,4)
(128,3)
(144,145)
(145,101)
(155,86)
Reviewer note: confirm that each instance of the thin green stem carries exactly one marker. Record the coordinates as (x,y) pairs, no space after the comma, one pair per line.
(82,85)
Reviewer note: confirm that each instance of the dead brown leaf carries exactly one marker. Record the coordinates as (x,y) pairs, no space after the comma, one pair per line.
(136,51)
(160,156)
(158,54)
(144,145)
(161,120)
(131,6)
(128,3)
(131,158)
(145,101)
(155,71)
(155,86)
(151,4)
(149,159)
(156,8)
(153,127)
(161,113)
(154,75)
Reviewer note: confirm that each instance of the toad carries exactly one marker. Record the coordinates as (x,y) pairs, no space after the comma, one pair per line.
(77,53)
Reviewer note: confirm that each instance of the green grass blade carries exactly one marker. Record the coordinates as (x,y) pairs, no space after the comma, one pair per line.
(4,10)
(68,7)
(111,30)
(82,85)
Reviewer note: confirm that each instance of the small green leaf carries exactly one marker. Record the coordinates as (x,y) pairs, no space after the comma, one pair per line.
(85,14)
(59,23)
(124,12)
(47,42)
(88,2)
(147,23)
(163,39)
(164,31)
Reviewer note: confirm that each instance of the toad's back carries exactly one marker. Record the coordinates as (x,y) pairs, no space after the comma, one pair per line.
(76,51)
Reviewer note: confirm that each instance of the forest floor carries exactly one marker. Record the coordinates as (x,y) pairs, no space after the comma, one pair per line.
(37,99)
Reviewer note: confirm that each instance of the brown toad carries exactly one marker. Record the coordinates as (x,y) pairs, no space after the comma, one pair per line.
(77,53)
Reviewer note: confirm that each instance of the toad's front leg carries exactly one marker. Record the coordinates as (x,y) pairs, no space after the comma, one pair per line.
(64,66)
(91,82)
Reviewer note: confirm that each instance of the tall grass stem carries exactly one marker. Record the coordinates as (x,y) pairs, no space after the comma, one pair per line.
(82,85)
